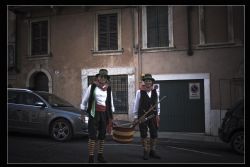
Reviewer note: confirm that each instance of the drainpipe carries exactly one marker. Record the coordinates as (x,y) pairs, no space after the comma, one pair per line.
(133,28)
(139,44)
(190,51)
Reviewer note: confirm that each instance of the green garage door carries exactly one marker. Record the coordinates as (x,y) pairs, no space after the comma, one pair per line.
(183,109)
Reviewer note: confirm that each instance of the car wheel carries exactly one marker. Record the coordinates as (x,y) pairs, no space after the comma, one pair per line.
(237,142)
(61,130)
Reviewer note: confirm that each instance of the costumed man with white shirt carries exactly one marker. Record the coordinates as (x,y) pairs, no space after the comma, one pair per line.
(98,103)
(147,97)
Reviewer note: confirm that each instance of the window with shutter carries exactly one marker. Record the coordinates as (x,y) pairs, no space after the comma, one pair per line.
(220,33)
(216,32)
(39,38)
(157,26)
(107,32)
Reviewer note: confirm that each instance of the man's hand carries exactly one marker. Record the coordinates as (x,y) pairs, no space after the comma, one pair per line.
(109,126)
(158,121)
(84,111)
(135,121)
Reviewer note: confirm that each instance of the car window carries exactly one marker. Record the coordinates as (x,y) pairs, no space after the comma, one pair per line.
(27,98)
(54,100)
(31,99)
(12,97)
(239,111)
(237,104)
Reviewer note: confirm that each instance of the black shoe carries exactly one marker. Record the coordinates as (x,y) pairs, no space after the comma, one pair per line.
(101,159)
(145,155)
(153,154)
(91,158)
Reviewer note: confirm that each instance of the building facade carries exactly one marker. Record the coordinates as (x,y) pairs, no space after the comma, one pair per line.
(195,54)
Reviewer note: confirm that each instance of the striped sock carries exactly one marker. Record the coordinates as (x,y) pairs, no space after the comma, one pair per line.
(91,146)
(100,146)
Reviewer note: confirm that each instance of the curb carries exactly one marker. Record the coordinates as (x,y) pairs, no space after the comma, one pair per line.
(185,136)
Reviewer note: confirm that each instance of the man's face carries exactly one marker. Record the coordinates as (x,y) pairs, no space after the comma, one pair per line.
(148,83)
(102,79)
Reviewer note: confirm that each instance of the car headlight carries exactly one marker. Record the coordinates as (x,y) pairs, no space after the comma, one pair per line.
(84,118)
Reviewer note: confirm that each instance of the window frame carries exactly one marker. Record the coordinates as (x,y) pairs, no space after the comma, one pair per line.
(11,55)
(170,29)
(30,38)
(202,23)
(96,51)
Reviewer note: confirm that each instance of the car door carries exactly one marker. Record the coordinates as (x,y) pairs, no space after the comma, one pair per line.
(14,112)
(33,115)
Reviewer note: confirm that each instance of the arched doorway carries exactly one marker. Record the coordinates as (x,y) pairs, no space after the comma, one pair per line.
(39,81)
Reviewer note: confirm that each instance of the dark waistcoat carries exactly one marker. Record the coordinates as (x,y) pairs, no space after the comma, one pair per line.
(146,102)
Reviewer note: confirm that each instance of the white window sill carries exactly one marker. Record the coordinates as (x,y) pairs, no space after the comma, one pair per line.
(108,52)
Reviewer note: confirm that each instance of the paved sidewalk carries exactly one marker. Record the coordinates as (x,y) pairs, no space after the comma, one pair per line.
(185,136)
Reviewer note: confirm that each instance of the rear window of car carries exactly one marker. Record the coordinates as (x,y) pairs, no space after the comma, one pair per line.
(12,97)
(239,109)
(22,97)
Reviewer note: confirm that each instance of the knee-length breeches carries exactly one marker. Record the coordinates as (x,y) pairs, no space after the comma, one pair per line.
(97,126)
(153,130)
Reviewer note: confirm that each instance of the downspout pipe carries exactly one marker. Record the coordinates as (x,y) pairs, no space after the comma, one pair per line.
(139,43)
(189,36)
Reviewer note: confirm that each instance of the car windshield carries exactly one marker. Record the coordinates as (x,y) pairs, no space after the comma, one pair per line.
(236,105)
(54,100)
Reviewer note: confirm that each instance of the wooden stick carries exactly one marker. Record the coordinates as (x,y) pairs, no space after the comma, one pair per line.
(149,110)
(142,118)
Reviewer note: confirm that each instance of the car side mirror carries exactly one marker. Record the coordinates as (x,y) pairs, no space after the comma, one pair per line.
(41,104)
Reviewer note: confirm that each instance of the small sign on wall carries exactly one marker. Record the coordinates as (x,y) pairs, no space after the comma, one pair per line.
(194,90)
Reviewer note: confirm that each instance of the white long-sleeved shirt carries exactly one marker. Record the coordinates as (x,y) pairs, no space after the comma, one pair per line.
(137,101)
(100,98)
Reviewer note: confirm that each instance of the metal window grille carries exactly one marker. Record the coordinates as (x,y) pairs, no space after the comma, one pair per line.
(119,87)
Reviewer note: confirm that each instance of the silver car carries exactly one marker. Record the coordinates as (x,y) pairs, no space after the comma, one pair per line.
(44,113)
